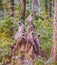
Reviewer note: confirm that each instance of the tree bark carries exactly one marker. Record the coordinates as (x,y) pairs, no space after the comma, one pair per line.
(11,7)
(54,46)
(23,10)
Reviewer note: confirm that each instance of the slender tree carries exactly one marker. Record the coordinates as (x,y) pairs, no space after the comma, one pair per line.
(23,10)
(19,2)
(46,9)
(50,8)
(39,9)
(33,5)
(1,5)
(29,1)
(1,9)
(11,7)
(54,46)
(46,5)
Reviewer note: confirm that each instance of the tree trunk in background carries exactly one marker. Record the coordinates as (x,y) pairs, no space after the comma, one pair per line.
(1,9)
(1,5)
(52,12)
(23,10)
(11,7)
(46,9)
(50,8)
(53,2)
(39,9)
(33,5)
(29,1)
(19,2)
(54,46)
(46,5)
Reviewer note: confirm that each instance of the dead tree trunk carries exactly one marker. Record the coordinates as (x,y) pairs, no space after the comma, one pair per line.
(23,10)
(54,46)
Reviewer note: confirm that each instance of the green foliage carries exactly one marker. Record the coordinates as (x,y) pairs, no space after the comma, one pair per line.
(6,25)
(5,48)
(45,28)
(5,40)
